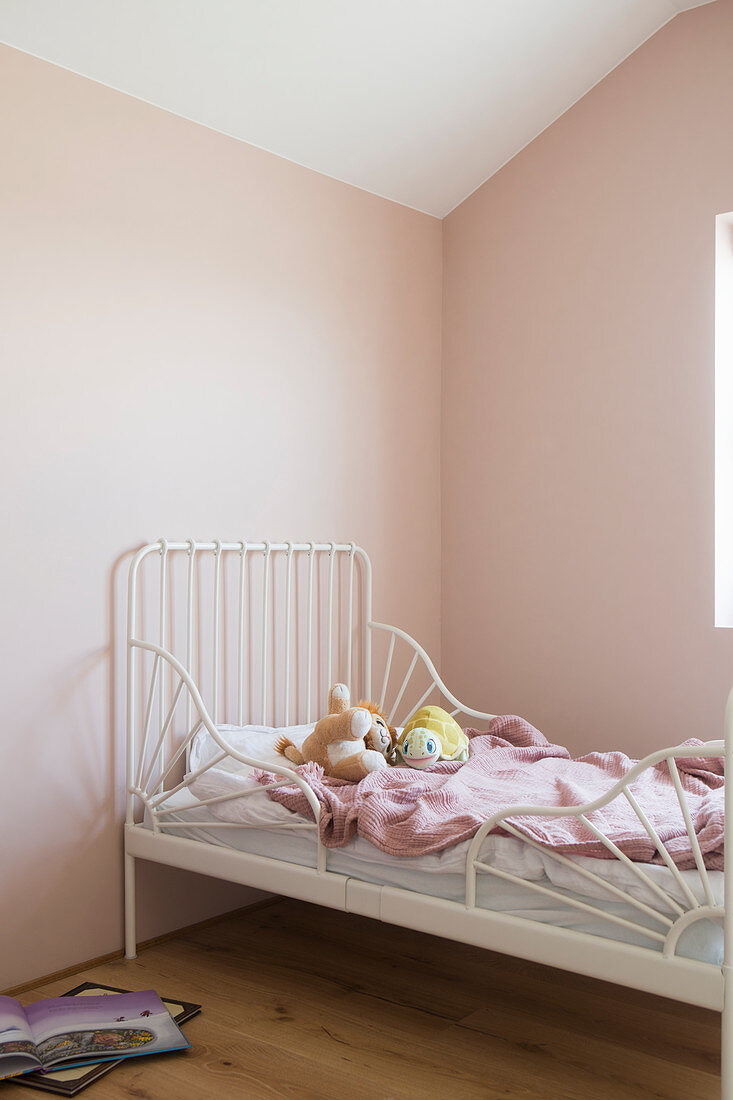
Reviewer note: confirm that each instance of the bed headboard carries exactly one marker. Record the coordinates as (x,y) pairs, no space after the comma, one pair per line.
(263,628)
(255,633)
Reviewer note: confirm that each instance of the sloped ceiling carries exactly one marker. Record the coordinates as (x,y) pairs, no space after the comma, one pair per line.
(416,100)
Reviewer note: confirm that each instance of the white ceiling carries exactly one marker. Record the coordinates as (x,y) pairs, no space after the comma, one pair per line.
(416,100)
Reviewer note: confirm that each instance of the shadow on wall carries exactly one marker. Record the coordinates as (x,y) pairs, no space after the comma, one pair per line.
(65,837)
(70,855)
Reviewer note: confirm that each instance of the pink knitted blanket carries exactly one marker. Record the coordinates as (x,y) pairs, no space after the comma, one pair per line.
(410,813)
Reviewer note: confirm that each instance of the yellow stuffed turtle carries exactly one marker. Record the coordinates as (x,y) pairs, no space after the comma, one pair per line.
(430,735)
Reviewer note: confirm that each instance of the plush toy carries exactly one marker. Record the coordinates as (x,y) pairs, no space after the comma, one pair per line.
(381,736)
(337,743)
(430,735)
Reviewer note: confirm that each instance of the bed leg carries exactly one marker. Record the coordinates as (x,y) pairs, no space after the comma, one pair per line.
(726,1052)
(726,1025)
(726,1037)
(130,935)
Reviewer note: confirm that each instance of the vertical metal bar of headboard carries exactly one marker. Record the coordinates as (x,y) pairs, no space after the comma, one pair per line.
(130,722)
(215,655)
(350,630)
(240,634)
(134,666)
(309,643)
(288,590)
(130,717)
(189,635)
(366,630)
(265,609)
(163,613)
(331,562)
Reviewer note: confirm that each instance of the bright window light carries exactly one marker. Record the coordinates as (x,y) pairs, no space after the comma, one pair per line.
(724,420)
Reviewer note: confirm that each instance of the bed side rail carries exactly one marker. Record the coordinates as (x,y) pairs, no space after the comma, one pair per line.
(152,763)
(398,698)
(669,915)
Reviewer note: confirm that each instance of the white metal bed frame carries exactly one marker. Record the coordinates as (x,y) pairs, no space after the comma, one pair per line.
(305,614)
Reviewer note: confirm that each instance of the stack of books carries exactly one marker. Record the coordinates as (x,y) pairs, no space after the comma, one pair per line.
(63,1044)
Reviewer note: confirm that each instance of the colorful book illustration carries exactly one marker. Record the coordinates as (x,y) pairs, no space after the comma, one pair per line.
(72,1080)
(74,1031)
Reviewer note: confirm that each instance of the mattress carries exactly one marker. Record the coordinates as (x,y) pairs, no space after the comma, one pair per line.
(438,874)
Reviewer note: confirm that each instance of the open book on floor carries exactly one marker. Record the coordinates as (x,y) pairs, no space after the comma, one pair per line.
(71,1080)
(73,1031)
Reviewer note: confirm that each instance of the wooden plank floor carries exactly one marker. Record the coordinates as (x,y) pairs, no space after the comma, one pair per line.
(303,1002)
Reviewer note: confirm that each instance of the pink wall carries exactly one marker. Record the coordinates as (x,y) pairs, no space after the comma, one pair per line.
(578,409)
(185,321)
(161,282)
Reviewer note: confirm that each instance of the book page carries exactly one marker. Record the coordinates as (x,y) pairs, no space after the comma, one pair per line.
(78,1076)
(17,1049)
(93,1029)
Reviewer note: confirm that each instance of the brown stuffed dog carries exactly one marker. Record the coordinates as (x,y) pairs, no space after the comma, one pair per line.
(337,743)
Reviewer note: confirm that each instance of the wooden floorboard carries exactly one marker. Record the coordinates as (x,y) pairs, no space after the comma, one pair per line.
(302,1002)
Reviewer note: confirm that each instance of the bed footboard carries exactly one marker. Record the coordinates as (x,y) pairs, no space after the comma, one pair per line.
(667,916)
